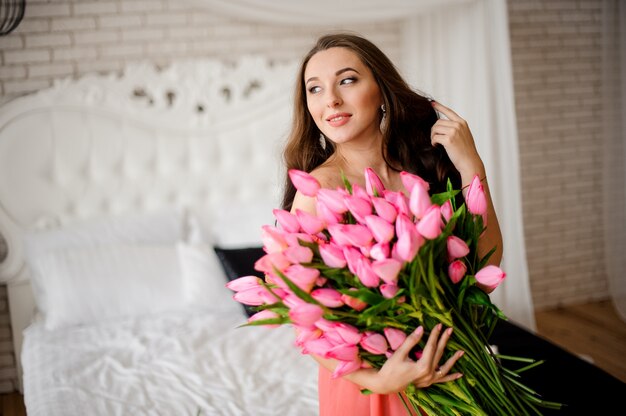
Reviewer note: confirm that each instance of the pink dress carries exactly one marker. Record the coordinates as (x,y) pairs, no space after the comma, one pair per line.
(340,397)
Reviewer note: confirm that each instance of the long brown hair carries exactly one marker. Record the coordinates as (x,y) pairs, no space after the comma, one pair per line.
(406,141)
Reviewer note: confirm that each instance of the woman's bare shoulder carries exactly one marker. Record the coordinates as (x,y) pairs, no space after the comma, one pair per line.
(328,176)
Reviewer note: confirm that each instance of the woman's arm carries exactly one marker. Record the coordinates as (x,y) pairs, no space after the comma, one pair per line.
(455,136)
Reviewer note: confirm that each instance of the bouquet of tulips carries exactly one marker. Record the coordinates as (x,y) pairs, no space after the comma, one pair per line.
(370,267)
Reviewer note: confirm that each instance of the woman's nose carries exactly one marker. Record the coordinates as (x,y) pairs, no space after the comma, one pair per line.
(334,99)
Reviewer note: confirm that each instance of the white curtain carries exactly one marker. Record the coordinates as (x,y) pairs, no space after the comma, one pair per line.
(457,51)
(614,134)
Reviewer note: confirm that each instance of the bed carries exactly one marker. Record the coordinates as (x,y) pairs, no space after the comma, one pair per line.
(116,191)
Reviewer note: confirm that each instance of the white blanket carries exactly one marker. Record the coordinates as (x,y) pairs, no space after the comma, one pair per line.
(186,363)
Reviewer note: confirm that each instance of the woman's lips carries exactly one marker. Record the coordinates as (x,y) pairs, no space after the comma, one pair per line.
(338,119)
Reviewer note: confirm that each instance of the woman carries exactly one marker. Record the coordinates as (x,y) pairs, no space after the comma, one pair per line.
(353,110)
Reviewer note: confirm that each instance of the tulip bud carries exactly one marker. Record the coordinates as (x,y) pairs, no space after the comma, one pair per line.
(446,211)
(309,222)
(373,185)
(475,198)
(395,337)
(304,182)
(457,248)
(265,314)
(354,303)
(244,283)
(430,224)
(388,290)
(456,271)
(332,199)
(332,255)
(409,180)
(346,367)
(287,220)
(305,314)
(384,209)
(419,201)
(490,276)
(382,230)
(374,343)
(387,269)
(328,297)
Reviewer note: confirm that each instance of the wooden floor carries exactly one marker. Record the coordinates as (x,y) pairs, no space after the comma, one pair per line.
(593,331)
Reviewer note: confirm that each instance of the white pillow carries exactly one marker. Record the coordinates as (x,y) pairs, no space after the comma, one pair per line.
(90,284)
(205,279)
(159,227)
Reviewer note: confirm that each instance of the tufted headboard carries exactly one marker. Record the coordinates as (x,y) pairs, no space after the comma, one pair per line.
(205,135)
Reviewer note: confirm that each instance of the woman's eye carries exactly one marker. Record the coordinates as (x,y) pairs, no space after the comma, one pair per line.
(348,81)
(314,90)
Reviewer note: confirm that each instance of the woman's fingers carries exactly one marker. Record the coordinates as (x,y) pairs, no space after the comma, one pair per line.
(442,376)
(410,341)
(445,111)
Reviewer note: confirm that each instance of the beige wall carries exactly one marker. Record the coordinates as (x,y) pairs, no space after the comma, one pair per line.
(556,58)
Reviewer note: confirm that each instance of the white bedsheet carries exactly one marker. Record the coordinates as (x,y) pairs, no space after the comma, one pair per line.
(185,363)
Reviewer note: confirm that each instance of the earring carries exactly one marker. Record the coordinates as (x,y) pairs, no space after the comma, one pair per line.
(383,120)
(323,141)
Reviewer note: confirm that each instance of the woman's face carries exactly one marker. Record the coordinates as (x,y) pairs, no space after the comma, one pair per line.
(342,96)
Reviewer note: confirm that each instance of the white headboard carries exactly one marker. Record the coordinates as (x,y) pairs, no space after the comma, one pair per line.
(204,135)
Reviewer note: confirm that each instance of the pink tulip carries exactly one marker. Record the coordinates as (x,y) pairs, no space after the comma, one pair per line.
(326,215)
(328,297)
(317,346)
(359,207)
(304,182)
(409,180)
(346,367)
(490,276)
(273,239)
(244,283)
(358,235)
(339,332)
(332,255)
(309,222)
(353,257)
(265,314)
(307,334)
(255,296)
(384,209)
(354,303)
(407,245)
(475,198)
(267,263)
(374,343)
(430,224)
(305,314)
(366,274)
(456,271)
(395,337)
(299,254)
(387,269)
(457,248)
(388,290)
(419,201)
(343,352)
(382,230)
(290,299)
(332,199)
(359,192)
(287,220)
(446,211)
(379,251)
(399,201)
(303,277)
(373,185)
(293,240)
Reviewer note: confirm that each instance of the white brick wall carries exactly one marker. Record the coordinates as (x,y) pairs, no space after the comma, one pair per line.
(556,50)
(556,58)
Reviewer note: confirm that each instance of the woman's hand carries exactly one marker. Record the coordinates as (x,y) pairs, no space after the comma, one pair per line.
(455,136)
(400,370)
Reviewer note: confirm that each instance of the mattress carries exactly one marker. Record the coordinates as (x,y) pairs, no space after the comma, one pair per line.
(185,363)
